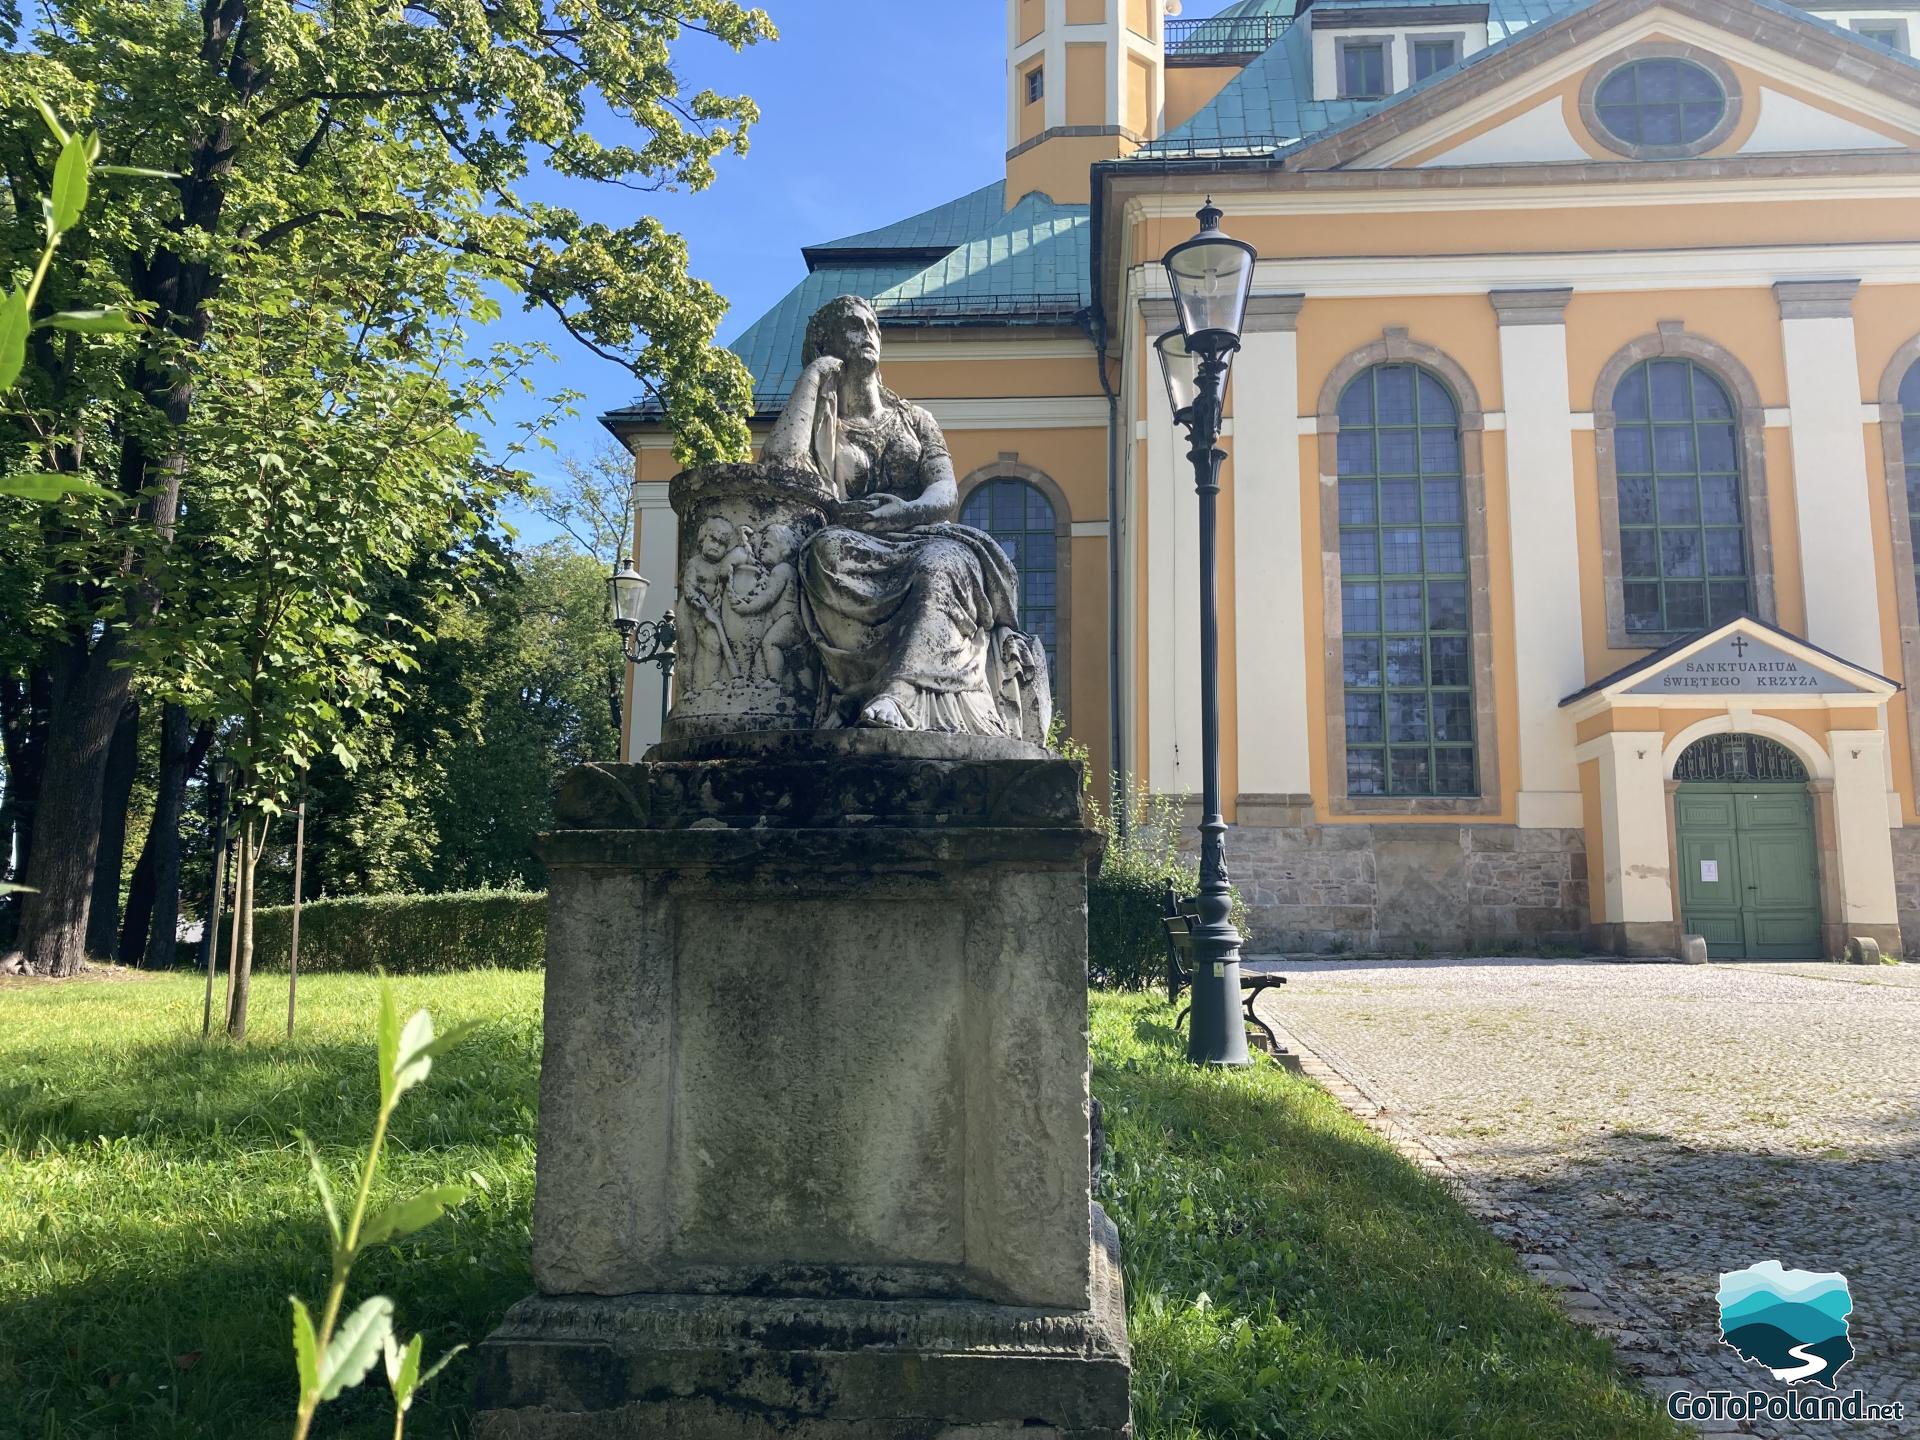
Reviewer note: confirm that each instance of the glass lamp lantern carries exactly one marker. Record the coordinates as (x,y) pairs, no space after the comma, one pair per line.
(627,588)
(1180,368)
(1211,276)
(222,770)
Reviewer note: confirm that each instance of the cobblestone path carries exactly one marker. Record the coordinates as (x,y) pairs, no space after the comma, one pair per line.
(1644,1127)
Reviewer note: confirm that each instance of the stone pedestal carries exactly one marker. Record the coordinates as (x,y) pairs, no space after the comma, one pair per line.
(813,1144)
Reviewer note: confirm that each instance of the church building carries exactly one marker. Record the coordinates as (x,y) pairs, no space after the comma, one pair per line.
(1567,578)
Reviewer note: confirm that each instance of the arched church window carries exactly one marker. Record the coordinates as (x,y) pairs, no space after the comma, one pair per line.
(1683,534)
(1021,518)
(1910,449)
(1406,610)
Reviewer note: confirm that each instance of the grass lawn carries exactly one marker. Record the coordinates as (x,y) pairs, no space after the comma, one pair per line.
(1287,1273)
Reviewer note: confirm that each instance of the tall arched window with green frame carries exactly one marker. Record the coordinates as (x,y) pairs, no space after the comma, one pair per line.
(1406,604)
(1683,532)
(1018,514)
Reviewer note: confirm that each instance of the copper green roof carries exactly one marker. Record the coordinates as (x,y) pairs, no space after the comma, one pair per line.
(967,262)
(1269,105)
(935,231)
(1030,264)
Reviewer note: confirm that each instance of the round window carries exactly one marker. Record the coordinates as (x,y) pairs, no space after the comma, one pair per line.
(1660,104)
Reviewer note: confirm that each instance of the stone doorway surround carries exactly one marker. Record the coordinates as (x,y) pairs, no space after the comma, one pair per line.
(1745,677)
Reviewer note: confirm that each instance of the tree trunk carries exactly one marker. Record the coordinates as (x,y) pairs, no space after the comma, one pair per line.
(132,949)
(149,933)
(240,965)
(233,924)
(293,945)
(210,933)
(24,703)
(89,692)
(123,762)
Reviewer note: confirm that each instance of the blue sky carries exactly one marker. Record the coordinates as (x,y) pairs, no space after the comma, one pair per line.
(870,110)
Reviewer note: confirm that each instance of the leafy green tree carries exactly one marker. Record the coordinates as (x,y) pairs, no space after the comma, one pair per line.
(591,502)
(515,686)
(307,506)
(340,168)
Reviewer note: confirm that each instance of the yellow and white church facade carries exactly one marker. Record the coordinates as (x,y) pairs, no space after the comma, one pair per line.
(1568,581)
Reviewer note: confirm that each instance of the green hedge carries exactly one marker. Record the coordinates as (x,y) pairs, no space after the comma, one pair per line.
(1126,941)
(507,929)
(408,934)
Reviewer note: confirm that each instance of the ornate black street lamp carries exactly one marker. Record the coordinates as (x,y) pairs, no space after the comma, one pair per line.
(1211,275)
(645,642)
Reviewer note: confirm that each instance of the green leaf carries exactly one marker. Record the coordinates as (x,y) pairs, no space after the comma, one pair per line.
(443,1043)
(93,322)
(355,1346)
(389,1040)
(44,486)
(13,337)
(415,1060)
(403,1217)
(403,1369)
(70,182)
(138,172)
(306,1349)
(437,1367)
(53,120)
(6,889)
(320,1184)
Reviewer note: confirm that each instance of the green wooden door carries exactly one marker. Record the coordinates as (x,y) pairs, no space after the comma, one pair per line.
(1749,879)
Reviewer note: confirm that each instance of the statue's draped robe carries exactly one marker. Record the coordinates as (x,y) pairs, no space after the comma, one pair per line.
(934,608)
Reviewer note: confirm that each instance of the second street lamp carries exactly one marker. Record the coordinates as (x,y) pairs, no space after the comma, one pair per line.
(644,642)
(1211,276)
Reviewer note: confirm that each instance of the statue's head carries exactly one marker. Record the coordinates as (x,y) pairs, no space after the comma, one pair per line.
(716,537)
(846,327)
(776,543)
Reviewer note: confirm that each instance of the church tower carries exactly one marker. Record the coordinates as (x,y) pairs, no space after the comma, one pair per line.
(1083,85)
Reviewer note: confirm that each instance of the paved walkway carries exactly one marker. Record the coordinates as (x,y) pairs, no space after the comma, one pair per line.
(1645,1127)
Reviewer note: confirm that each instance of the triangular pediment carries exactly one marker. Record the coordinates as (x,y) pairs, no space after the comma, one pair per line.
(1746,661)
(1800,85)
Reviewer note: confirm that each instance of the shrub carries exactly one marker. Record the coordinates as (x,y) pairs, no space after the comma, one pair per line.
(1126,943)
(408,934)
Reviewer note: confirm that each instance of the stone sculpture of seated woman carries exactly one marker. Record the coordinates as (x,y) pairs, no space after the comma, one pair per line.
(914,616)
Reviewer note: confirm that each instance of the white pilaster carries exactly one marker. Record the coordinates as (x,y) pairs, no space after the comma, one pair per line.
(1055,99)
(1550,662)
(658,558)
(1862,836)
(1635,867)
(1270,649)
(1173,595)
(1830,467)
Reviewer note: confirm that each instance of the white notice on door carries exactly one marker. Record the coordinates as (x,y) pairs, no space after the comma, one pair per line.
(1709,871)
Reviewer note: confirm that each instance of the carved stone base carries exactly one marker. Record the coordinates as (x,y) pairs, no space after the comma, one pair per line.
(706,1367)
(814,1109)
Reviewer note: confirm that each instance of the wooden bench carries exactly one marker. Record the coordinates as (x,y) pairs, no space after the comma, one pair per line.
(1180,916)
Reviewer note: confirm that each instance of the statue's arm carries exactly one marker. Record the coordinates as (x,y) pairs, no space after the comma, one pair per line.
(940,500)
(791,442)
(939,497)
(767,592)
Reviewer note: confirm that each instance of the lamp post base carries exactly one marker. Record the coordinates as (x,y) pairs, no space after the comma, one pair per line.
(1217,1034)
